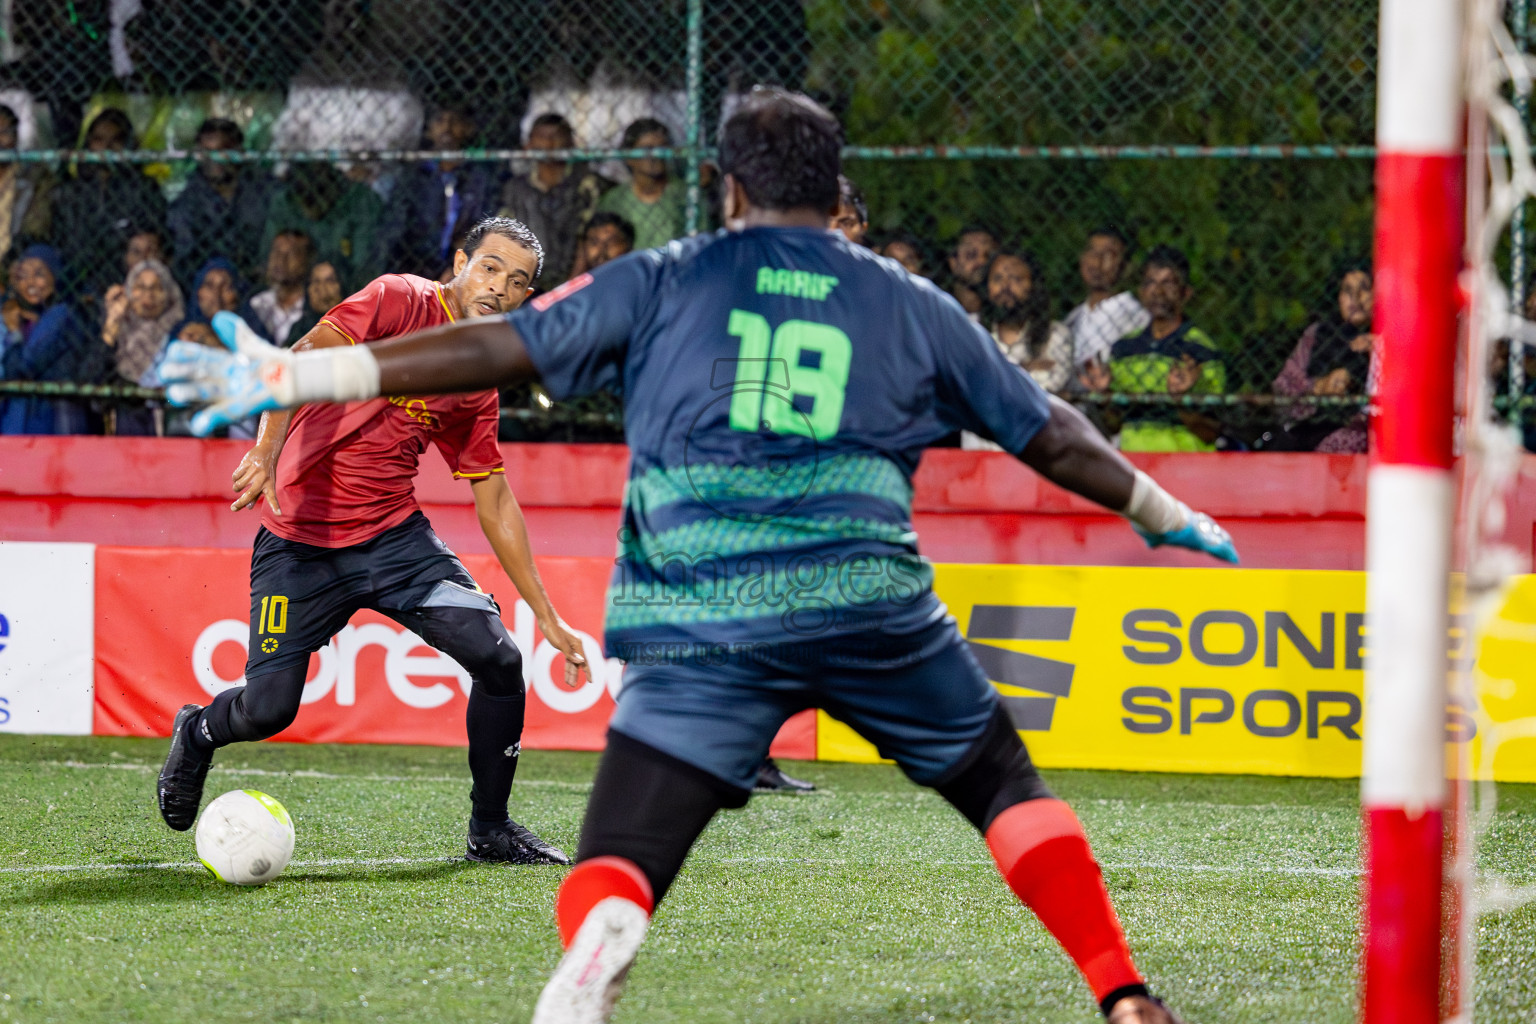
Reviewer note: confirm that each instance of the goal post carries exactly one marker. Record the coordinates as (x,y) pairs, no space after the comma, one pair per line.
(1420,210)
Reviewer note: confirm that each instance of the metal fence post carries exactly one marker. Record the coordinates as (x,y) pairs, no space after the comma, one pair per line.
(695,137)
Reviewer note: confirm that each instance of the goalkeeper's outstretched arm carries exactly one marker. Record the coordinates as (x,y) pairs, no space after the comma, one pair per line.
(472,355)
(1071,453)
(257,377)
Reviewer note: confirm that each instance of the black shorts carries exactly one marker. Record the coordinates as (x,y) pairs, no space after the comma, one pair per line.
(302,595)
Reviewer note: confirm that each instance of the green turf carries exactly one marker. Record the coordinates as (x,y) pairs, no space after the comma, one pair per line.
(870,901)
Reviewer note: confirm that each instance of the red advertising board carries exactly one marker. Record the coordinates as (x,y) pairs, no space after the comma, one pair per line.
(171,629)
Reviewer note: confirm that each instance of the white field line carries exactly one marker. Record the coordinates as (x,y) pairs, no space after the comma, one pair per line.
(388,861)
(580,787)
(367,862)
(583,787)
(1220,869)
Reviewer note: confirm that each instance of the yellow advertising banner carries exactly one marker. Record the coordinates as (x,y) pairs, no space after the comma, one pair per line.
(1198,670)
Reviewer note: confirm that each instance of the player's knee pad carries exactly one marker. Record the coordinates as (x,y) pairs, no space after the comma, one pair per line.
(267,704)
(995,774)
(498,669)
(479,641)
(260,717)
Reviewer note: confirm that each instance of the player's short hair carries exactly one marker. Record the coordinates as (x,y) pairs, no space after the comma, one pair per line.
(7,114)
(642,127)
(849,194)
(607,218)
(1168,257)
(784,149)
(509,228)
(553,120)
(222,126)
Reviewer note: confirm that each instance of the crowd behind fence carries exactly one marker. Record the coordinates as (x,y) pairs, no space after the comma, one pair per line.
(1161,210)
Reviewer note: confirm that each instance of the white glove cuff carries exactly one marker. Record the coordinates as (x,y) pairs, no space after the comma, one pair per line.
(328,375)
(1152,508)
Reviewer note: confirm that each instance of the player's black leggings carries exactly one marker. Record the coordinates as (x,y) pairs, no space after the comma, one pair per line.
(474,637)
(649,807)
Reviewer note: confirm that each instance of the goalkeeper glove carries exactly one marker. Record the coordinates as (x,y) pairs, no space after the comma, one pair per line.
(242,382)
(1199,533)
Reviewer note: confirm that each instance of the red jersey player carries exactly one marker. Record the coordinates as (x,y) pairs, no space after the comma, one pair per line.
(342,532)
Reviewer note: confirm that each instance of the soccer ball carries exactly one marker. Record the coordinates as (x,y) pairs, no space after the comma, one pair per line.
(245,837)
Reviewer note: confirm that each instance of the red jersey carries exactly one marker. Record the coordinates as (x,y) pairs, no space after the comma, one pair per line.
(347,472)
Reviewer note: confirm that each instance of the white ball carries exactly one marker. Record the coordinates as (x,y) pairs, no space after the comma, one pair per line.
(245,837)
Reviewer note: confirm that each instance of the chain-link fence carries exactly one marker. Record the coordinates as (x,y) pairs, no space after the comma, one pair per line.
(1153,204)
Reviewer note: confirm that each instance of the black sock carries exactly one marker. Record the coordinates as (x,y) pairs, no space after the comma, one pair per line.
(213,728)
(495,727)
(198,736)
(479,827)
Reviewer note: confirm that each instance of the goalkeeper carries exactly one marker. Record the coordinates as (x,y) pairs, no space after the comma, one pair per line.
(780,385)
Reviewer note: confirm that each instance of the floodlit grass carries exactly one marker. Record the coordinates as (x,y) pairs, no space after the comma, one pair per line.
(871,901)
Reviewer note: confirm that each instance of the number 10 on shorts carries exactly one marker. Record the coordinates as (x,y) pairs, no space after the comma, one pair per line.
(274,615)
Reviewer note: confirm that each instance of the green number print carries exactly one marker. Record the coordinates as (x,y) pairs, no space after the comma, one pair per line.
(757,404)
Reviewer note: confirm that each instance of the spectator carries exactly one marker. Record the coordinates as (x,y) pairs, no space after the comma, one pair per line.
(852,216)
(145,244)
(652,201)
(973,250)
(607,236)
(138,321)
(96,212)
(44,341)
(555,200)
(218,287)
(1171,356)
(1018,313)
(1104,317)
(281,305)
(323,293)
(437,201)
(907,250)
(224,207)
(341,218)
(1332,358)
(26,194)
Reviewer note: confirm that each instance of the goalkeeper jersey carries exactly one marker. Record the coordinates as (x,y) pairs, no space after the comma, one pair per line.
(779,387)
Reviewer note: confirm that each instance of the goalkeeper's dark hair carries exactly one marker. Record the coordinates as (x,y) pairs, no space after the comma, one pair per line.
(510,229)
(785,150)
(1168,257)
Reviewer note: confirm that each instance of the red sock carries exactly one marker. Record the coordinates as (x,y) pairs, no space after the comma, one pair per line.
(593,881)
(1041,850)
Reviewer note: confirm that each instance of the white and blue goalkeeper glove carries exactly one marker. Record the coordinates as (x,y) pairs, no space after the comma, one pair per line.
(239,383)
(255,377)
(1199,533)
(1164,521)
